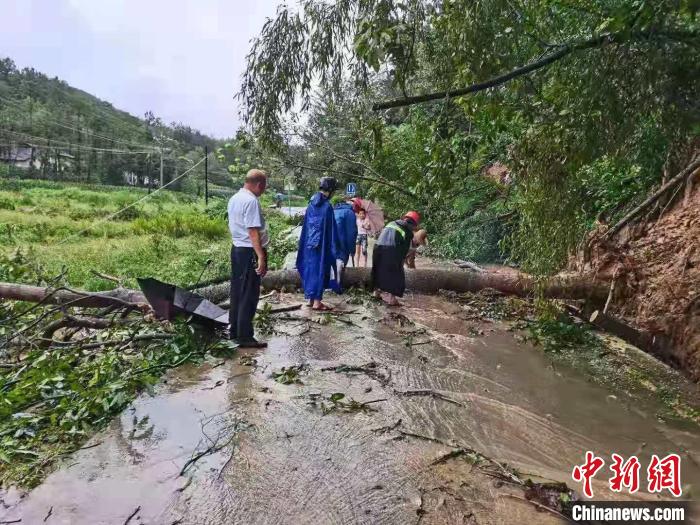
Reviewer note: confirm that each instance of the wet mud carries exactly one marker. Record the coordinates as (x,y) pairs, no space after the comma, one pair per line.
(226,443)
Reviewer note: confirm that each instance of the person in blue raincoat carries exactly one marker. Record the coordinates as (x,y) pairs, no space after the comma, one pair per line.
(347,229)
(318,246)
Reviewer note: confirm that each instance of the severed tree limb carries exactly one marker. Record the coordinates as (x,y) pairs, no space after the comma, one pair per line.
(281,309)
(65,296)
(214,448)
(610,296)
(136,511)
(106,277)
(428,393)
(434,280)
(370,369)
(111,342)
(82,322)
(563,51)
(653,198)
(431,281)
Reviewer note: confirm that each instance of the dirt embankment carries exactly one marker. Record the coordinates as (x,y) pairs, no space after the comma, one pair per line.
(656,268)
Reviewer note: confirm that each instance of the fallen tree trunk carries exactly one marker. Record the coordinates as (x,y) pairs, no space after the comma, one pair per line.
(659,345)
(423,281)
(432,281)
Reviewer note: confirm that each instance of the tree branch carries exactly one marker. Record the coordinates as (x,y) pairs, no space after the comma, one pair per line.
(94,323)
(566,49)
(689,170)
(348,174)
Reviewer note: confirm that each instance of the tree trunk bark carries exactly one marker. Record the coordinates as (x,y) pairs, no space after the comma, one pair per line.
(432,281)
(422,280)
(39,294)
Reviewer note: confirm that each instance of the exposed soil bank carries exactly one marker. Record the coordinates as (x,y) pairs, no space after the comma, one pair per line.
(656,267)
(284,453)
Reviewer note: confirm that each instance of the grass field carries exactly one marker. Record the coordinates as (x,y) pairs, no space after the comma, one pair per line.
(68,228)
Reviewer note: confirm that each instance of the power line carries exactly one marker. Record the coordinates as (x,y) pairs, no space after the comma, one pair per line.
(72,128)
(113,215)
(63,124)
(111,152)
(52,142)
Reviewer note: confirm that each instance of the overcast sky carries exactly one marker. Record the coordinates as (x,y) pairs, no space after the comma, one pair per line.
(181,59)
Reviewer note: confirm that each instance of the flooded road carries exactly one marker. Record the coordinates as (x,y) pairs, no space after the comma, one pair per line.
(227,443)
(292,211)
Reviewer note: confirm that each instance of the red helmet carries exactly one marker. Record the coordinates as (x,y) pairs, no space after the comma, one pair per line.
(414,216)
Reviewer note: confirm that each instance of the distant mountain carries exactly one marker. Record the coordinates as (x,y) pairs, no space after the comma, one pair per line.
(51,130)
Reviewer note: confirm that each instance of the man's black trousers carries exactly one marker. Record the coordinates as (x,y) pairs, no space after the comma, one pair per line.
(245,292)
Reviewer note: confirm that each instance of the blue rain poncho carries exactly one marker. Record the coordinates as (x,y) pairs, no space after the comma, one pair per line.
(318,248)
(346,222)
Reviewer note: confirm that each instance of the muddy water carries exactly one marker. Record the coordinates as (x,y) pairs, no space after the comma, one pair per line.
(270,453)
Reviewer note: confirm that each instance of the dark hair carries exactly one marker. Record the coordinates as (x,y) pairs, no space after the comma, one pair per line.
(328,184)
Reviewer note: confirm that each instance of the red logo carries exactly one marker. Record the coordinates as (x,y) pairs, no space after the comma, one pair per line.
(587,471)
(662,474)
(626,474)
(665,474)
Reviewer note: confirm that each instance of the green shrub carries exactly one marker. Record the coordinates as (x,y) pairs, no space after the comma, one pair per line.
(129,214)
(82,213)
(217,209)
(6,203)
(15,266)
(181,225)
(561,333)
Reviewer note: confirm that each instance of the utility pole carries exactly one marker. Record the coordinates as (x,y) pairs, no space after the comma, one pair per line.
(206,175)
(161,167)
(148,171)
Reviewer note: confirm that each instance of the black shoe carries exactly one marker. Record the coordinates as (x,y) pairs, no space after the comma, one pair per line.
(251,343)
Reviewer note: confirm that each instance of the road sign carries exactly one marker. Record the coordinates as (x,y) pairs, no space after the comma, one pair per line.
(289,184)
(351,189)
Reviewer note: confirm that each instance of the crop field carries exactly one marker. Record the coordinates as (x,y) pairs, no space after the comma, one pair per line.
(71,229)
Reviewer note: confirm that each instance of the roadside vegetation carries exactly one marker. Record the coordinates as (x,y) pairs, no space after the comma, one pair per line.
(56,398)
(67,229)
(65,372)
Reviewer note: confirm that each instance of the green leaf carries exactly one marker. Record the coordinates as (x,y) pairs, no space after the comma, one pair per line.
(337,396)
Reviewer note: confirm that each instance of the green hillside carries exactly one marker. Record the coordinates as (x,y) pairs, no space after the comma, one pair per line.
(51,130)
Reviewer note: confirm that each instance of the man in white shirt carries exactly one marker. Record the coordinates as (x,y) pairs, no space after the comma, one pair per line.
(248,257)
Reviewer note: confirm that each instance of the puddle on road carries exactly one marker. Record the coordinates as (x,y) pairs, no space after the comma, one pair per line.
(284,461)
(136,461)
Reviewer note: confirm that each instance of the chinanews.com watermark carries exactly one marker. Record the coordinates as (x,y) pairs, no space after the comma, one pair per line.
(630,512)
(662,476)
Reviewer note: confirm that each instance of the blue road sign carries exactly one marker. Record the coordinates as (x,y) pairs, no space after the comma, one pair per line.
(351,189)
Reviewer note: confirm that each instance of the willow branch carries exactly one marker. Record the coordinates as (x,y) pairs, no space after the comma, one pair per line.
(566,49)
(348,174)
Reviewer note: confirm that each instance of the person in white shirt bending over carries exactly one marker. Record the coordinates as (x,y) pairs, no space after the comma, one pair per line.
(248,257)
